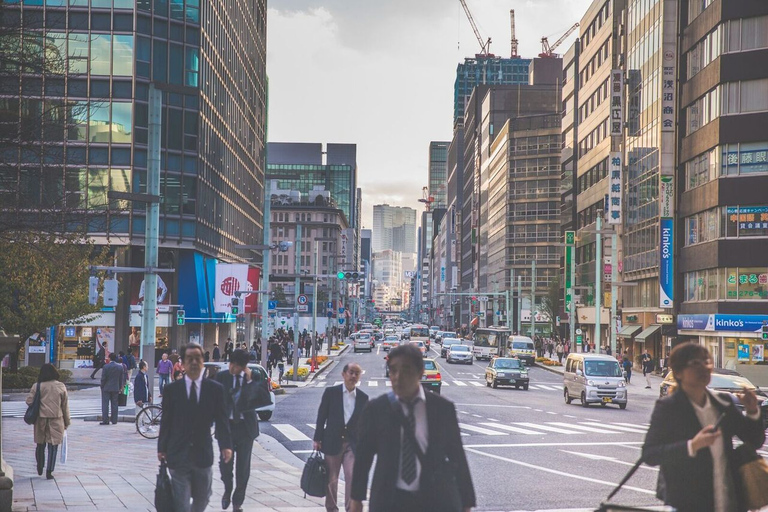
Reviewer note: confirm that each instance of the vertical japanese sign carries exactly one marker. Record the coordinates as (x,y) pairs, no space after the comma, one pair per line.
(666,267)
(667,196)
(617,108)
(614,190)
(570,240)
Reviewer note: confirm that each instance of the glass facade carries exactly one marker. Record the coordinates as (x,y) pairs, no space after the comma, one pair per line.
(485,70)
(438,173)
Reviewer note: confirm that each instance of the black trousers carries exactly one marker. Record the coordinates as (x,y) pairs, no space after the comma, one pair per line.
(240,463)
(109,399)
(404,501)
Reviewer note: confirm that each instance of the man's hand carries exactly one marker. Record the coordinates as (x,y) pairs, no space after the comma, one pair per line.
(317,445)
(748,398)
(226,454)
(355,506)
(160,456)
(705,438)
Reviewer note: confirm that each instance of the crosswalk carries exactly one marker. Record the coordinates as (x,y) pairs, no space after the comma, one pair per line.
(77,408)
(524,428)
(480,382)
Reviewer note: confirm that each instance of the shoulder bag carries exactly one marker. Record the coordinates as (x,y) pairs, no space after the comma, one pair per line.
(163,490)
(314,478)
(438,484)
(33,411)
(753,472)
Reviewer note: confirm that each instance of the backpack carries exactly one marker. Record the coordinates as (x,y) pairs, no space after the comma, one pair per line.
(314,478)
(131,363)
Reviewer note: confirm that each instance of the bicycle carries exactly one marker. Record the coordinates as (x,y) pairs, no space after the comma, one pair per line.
(148,420)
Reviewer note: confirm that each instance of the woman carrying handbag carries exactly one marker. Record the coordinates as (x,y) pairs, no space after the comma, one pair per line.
(53,418)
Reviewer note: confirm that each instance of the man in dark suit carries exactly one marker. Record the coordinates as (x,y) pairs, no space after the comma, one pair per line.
(112,382)
(190,406)
(242,395)
(336,432)
(399,481)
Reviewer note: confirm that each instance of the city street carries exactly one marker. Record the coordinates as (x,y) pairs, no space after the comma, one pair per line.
(527,450)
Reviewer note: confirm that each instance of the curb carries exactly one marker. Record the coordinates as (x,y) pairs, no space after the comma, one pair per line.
(549,368)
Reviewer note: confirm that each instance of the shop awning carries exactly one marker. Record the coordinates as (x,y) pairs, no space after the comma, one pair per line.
(647,333)
(629,330)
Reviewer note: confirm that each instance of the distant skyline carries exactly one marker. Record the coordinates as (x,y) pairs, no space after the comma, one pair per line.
(381,74)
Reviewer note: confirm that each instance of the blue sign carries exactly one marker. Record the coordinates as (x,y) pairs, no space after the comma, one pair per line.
(666,263)
(329,305)
(740,323)
(341,321)
(330,314)
(70,332)
(272,304)
(341,311)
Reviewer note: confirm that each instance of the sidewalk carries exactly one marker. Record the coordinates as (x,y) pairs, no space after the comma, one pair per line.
(114,468)
(636,385)
(304,362)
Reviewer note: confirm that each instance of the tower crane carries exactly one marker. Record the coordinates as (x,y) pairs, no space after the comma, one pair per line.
(485,47)
(513,41)
(549,51)
(426,198)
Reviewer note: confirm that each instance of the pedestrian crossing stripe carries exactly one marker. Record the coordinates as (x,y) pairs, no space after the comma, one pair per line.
(76,410)
(291,432)
(476,383)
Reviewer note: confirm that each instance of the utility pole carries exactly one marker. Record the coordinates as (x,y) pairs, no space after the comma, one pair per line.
(297,290)
(533,299)
(313,349)
(614,289)
(520,305)
(598,280)
(266,265)
(148,328)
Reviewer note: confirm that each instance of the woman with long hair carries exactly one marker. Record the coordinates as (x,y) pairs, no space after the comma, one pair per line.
(53,419)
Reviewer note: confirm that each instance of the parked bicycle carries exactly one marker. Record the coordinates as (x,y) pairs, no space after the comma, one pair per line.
(148,420)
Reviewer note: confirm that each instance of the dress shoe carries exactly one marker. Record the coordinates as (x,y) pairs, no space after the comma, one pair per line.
(225,500)
(49,475)
(237,508)
(104,423)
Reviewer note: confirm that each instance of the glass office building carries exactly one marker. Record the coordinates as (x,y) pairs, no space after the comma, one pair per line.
(438,173)
(482,69)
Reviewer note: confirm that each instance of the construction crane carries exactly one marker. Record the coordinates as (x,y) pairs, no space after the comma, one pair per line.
(426,198)
(513,41)
(485,47)
(549,51)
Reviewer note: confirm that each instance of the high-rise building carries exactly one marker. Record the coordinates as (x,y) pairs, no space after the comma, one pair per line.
(485,69)
(394,228)
(213,113)
(438,173)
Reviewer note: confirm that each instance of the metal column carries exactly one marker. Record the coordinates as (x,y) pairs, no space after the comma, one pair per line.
(297,289)
(266,269)
(598,281)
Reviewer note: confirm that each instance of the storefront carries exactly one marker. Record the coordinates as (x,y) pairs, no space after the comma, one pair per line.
(80,339)
(732,339)
(585,318)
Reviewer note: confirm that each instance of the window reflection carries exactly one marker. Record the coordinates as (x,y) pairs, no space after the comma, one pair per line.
(78,53)
(77,120)
(192,67)
(98,123)
(122,52)
(98,184)
(121,122)
(101,53)
(120,180)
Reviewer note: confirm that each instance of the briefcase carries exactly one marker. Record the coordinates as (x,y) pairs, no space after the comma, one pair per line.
(163,490)
(314,478)
(612,507)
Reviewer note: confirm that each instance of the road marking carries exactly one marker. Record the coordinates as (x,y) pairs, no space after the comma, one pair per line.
(459,383)
(372,383)
(477,416)
(320,384)
(481,430)
(556,472)
(311,425)
(569,416)
(291,432)
(557,444)
(516,430)
(549,388)
(583,427)
(445,384)
(614,427)
(474,383)
(641,426)
(337,383)
(547,428)
(389,384)
(357,384)
(608,459)
(302,451)
(494,405)
(492,419)
(323,377)
(550,412)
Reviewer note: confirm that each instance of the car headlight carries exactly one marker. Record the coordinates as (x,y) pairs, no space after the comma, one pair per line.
(590,383)
(622,384)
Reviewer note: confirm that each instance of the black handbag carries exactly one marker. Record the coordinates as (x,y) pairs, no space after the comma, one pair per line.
(612,507)
(438,485)
(314,478)
(164,490)
(33,411)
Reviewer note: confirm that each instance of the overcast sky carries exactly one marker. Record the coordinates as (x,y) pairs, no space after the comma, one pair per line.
(380,73)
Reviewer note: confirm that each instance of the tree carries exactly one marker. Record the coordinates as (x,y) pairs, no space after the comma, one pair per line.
(551,303)
(44,282)
(279,295)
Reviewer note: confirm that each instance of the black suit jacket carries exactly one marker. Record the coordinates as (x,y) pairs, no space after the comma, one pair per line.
(688,481)
(380,435)
(330,428)
(252,395)
(185,428)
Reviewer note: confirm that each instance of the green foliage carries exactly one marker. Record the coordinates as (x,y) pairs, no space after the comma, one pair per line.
(280,296)
(551,302)
(26,377)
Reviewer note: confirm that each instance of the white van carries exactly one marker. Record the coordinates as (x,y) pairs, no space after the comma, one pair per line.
(522,348)
(594,379)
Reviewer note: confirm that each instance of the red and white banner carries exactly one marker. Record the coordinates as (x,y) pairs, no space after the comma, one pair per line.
(252,299)
(230,277)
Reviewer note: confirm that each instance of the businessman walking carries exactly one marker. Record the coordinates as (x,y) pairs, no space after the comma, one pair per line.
(242,395)
(191,405)
(336,432)
(112,381)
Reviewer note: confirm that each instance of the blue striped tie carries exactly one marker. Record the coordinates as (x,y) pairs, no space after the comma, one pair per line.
(409,447)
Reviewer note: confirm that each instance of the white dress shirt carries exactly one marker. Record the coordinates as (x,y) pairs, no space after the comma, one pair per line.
(348,399)
(422,437)
(198,384)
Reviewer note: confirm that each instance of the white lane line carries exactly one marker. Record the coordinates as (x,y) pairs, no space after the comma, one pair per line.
(460,383)
(550,412)
(613,427)
(547,428)
(445,384)
(584,428)
(558,444)
(481,430)
(492,419)
(291,432)
(357,384)
(389,384)
(478,384)
(495,405)
(323,377)
(641,426)
(320,384)
(298,452)
(569,416)
(311,425)
(337,383)
(556,472)
(516,430)
(372,383)
(464,412)
(477,416)
(550,388)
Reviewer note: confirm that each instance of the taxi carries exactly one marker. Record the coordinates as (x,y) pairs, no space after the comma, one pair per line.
(390,341)
(431,380)
(508,371)
(422,347)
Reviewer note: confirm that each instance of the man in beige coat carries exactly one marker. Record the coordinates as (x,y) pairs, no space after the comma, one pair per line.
(53,419)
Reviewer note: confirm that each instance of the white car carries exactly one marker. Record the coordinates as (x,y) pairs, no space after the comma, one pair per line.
(459,354)
(257,372)
(363,341)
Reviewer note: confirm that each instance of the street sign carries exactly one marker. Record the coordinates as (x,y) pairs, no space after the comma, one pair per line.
(579,339)
(579,331)
(481,314)
(272,304)
(330,314)
(341,321)
(329,305)
(341,311)
(570,237)
(302,300)
(303,308)
(498,313)
(482,298)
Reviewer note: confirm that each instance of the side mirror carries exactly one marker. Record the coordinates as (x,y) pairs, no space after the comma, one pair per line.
(579,373)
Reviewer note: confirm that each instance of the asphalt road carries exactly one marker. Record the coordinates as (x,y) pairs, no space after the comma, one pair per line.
(527,450)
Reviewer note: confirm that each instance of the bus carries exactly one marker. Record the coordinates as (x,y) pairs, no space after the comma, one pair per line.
(418,332)
(487,341)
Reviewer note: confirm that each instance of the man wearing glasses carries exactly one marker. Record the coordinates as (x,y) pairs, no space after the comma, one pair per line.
(336,431)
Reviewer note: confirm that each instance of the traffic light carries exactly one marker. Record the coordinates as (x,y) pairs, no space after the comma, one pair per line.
(340,275)
(235,306)
(351,276)
(765,332)
(181,318)
(93,290)
(110,292)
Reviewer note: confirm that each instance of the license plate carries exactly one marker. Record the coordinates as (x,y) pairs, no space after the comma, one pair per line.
(607,399)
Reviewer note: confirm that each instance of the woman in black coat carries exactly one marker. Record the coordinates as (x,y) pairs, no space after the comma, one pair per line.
(141,394)
(698,473)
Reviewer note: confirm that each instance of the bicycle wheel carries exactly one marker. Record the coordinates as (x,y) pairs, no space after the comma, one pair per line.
(148,421)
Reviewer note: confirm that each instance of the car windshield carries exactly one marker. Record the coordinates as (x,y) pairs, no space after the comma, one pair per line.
(430,365)
(418,343)
(729,381)
(522,345)
(459,348)
(391,338)
(507,364)
(451,341)
(602,368)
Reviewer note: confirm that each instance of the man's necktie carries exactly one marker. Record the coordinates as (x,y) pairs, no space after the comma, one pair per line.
(409,447)
(193,393)
(237,382)
(235,412)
